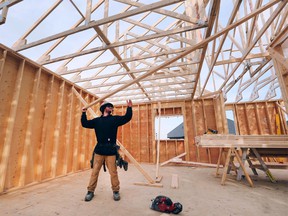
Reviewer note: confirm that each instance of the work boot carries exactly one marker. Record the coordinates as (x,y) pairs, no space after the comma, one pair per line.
(89,196)
(116,195)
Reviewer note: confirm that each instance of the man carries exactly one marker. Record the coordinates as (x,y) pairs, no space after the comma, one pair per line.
(105,128)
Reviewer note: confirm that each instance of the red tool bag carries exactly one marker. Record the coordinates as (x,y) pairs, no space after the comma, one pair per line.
(165,204)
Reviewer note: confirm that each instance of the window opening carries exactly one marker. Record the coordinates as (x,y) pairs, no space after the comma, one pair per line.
(230,122)
(171,127)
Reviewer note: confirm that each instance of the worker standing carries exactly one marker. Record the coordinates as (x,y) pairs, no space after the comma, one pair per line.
(105,127)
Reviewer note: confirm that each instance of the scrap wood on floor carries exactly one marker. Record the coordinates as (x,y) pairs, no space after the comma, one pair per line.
(178,161)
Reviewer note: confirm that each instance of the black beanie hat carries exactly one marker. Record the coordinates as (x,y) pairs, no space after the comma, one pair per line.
(104,105)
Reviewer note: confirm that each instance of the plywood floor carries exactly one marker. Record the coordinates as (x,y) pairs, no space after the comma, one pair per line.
(199,191)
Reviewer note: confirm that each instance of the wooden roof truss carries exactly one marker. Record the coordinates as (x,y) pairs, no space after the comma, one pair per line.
(161,50)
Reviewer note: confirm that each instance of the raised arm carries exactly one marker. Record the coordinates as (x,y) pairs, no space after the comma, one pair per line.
(128,115)
(86,123)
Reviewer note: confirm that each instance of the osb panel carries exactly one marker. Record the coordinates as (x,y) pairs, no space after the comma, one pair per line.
(256,118)
(62,118)
(70,124)
(145,133)
(241,117)
(90,135)
(170,149)
(264,119)
(18,144)
(134,134)
(50,118)
(199,117)
(271,109)
(150,132)
(138,141)
(179,147)
(39,132)
(46,138)
(77,141)
(251,119)
(7,88)
(190,131)
(209,109)
(19,129)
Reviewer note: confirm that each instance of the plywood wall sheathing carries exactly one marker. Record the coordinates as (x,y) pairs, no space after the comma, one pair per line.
(41,135)
(258,118)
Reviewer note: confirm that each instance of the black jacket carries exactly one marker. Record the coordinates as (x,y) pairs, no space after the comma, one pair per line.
(106,130)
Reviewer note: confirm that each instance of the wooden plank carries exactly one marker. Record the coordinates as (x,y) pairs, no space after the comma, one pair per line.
(191,163)
(10,127)
(163,12)
(43,106)
(144,133)
(197,152)
(82,139)
(2,62)
(68,132)
(154,151)
(186,137)
(150,132)
(243,141)
(282,119)
(88,12)
(224,175)
(268,119)
(175,181)
(28,143)
(158,141)
(138,147)
(149,184)
(62,154)
(58,126)
(44,167)
(257,119)
(172,159)
(188,133)
(86,151)
(76,137)
(221,153)
(246,119)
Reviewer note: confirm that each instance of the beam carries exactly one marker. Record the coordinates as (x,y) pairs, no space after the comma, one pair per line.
(92,24)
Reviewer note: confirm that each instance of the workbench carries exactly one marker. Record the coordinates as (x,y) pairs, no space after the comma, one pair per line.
(250,146)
